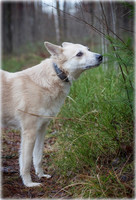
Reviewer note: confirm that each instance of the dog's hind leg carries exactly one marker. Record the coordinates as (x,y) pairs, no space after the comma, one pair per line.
(27,145)
(38,153)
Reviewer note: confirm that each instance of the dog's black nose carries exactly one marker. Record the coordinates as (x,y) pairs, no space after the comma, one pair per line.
(99,57)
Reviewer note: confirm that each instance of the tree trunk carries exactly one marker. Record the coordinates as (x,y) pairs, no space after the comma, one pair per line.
(58,22)
(103,40)
(64,20)
(7,27)
(113,14)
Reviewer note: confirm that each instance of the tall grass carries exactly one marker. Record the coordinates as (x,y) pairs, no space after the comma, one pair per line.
(101,118)
(99,135)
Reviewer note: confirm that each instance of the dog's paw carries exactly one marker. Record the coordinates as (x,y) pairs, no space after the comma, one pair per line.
(32,184)
(44,175)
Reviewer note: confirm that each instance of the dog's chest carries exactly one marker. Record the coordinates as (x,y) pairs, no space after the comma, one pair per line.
(53,104)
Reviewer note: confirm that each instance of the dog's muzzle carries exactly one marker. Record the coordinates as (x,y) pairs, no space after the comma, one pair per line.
(99,59)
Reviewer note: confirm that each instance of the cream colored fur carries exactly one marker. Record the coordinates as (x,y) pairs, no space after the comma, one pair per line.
(40,91)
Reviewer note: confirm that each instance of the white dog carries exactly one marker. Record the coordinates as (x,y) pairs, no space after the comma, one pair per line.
(40,91)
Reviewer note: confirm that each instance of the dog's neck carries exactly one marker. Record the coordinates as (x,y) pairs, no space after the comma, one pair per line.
(45,76)
(60,73)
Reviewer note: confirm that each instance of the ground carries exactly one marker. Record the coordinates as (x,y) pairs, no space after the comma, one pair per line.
(57,186)
(11,181)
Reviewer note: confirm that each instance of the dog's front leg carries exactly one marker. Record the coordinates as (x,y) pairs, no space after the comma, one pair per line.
(38,153)
(27,145)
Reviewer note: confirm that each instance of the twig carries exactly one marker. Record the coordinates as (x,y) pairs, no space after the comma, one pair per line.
(43,116)
(77,139)
(124,184)
(126,71)
(51,117)
(124,80)
(71,99)
(127,30)
(116,176)
(100,184)
(125,164)
(117,57)
(79,19)
(74,184)
(104,18)
(101,21)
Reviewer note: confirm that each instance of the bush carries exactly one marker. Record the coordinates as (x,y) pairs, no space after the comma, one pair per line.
(99,126)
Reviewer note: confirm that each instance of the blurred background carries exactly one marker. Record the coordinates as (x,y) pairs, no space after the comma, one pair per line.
(90,149)
(26,23)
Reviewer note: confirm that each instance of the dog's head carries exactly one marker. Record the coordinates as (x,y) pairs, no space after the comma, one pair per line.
(73,58)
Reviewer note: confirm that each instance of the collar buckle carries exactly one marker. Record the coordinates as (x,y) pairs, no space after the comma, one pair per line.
(60,73)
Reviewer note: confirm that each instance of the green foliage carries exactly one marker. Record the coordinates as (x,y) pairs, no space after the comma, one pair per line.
(101,120)
(123,54)
(131,7)
(101,125)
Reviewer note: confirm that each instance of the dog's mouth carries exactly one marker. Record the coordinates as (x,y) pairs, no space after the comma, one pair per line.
(98,61)
(92,66)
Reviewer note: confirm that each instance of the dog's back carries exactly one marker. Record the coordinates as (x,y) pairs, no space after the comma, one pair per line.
(7,103)
(34,90)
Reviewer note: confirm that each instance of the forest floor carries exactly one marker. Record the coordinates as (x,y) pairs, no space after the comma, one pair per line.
(11,180)
(12,185)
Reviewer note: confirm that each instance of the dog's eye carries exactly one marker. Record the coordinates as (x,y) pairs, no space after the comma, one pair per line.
(79,54)
(88,48)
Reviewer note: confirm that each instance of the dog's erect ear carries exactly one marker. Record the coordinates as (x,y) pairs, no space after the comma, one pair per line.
(53,49)
(64,44)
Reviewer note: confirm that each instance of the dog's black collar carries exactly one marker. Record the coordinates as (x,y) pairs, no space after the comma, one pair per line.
(60,73)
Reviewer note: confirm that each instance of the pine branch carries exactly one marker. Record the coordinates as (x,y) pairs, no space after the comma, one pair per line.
(117,55)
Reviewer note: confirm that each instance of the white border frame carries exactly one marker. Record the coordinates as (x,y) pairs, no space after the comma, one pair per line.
(134,90)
